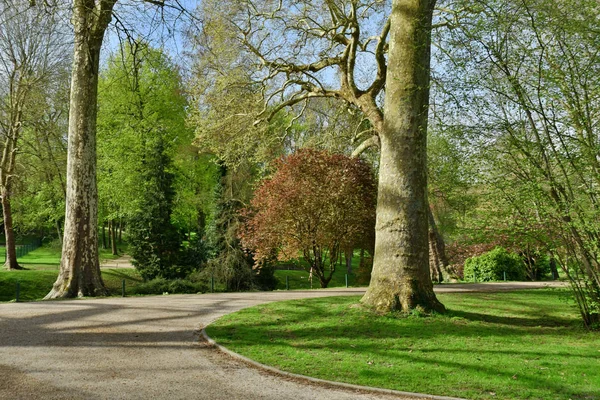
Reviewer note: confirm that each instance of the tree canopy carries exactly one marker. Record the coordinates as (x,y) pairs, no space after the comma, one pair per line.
(316,204)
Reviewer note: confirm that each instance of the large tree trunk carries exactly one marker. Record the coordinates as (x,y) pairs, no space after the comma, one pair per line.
(11,246)
(400,278)
(79,266)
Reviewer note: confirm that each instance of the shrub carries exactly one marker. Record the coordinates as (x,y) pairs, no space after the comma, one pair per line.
(264,277)
(161,285)
(186,286)
(154,286)
(537,265)
(492,265)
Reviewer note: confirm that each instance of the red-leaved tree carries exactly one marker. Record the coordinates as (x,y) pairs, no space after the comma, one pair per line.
(315,205)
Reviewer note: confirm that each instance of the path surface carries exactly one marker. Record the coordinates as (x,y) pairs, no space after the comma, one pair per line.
(122,262)
(144,348)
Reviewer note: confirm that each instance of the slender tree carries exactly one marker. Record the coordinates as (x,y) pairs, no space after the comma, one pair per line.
(31,50)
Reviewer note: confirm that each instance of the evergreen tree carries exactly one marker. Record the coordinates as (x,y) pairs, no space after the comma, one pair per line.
(154,240)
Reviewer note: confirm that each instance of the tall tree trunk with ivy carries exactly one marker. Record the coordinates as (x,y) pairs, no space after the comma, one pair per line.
(400,278)
(79,266)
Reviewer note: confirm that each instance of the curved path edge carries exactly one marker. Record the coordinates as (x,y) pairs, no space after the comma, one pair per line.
(318,381)
(448,288)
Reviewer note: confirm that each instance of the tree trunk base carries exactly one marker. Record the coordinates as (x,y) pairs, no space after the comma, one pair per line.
(9,267)
(69,292)
(406,297)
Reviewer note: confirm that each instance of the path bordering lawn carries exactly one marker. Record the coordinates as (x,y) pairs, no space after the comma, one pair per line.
(491,344)
(141,347)
(323,382)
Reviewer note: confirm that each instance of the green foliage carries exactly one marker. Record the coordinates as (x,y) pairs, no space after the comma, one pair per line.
(492,265)
(522,88)
(195,254)
(176,286)
(141,101)
(230,265)
(154,241)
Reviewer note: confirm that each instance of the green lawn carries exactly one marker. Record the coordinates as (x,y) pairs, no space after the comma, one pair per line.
(48,257)
(517,345)
(299,279)
(35,284)
(41,269)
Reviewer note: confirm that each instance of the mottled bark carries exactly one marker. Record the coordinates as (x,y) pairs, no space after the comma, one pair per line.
(79,266)
(400,278)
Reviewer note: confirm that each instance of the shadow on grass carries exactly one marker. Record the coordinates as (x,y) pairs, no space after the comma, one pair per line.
(525,349)
(117,273)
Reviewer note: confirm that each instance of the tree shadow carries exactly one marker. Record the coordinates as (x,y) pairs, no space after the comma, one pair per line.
(413,341)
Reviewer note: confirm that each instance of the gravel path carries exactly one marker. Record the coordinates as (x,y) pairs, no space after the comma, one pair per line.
(144,348)
(122,262)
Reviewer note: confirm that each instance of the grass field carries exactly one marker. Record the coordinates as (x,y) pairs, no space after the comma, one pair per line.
(35,284)
(41,268)
(300,279)
(518,345)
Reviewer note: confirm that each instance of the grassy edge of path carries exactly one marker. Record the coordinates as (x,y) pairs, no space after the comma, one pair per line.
(505,345)
(35,284)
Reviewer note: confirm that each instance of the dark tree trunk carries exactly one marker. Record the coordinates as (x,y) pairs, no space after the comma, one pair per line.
(400,278)
(113,235)
(104,235)
(11,246)
(79,266)
(110,236)
(120,230)
(553,268)
(348,254)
